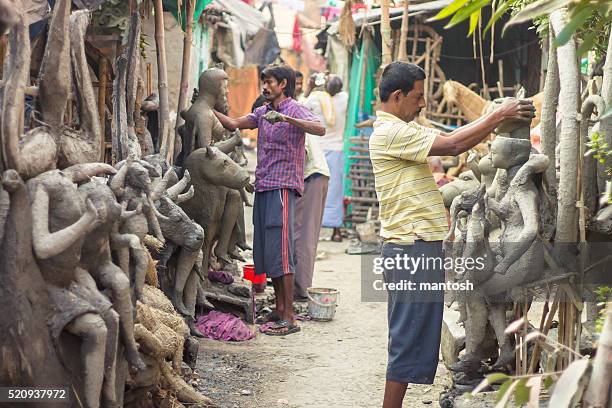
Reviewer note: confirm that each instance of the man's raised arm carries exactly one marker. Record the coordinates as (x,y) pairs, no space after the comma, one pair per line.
(466,137)
(308,126)
(232,124)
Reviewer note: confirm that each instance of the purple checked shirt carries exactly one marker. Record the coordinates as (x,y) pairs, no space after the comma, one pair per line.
(280,148)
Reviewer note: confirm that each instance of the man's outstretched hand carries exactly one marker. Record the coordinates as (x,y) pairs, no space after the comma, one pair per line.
(274,117)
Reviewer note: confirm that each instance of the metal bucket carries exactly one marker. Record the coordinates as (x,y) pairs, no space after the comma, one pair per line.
(322,303)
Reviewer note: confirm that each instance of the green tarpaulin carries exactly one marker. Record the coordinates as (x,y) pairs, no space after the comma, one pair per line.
(172,6)
(355,112)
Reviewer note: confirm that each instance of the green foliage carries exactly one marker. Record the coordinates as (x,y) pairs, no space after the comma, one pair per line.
(600,150)
(589,20)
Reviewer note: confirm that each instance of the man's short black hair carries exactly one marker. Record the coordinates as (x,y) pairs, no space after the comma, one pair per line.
(280,72)
(334,85)
(399,75)
(298,74)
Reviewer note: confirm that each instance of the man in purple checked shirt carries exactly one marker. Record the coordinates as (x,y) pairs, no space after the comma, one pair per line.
(279,176)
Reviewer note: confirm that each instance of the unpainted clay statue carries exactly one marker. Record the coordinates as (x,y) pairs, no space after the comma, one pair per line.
(34,152)
(516,258)
(8,16)
(184,237)
(98,261)
(132,187)
(188,236)
(51,145)
(215,204)
(201,126)
(233,239)
(61,220)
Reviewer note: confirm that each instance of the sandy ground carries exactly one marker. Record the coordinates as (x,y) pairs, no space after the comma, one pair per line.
(337,364)
(340,363)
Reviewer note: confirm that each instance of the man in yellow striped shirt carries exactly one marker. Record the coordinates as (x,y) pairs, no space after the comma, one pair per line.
(413,219)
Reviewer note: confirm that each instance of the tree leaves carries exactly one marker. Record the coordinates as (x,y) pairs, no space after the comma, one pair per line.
(449,10)
(474,17)
(576,21)
(536,9)
(490,379)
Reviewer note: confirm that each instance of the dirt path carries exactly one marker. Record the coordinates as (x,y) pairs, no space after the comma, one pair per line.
(339,364)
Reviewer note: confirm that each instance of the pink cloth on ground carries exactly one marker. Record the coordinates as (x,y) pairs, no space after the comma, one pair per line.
(224,326)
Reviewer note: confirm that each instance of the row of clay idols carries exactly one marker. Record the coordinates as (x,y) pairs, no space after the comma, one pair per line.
(87,215)
(496,212)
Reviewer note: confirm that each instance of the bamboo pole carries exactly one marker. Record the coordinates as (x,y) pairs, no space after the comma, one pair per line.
(102,85)
(149,79)
(385,32)
(184,92)
(403,55)
(364,70)
(162,82)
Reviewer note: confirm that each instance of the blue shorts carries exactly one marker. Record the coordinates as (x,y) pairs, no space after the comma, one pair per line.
(415,318)
(273,232)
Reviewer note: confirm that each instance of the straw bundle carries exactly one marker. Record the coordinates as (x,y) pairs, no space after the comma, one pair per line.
(346,27)
(151,274)
(154,297)
(469,102)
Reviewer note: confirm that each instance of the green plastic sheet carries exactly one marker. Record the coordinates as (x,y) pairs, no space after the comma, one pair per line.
(172,6)
(356,113)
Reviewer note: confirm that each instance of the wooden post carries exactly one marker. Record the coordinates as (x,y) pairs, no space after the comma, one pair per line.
(364,70)
(184,92)
(162,82)
(149,79)
(102,85)
(402,55)
(427,68)
(385,32)
(500,74)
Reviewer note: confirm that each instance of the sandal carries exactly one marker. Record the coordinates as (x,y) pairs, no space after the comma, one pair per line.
(273,316)
(282,328)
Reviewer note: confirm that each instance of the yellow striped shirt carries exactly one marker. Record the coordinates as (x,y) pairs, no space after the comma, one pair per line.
(411,205)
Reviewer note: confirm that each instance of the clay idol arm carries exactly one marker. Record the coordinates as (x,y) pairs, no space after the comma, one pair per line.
(124,241)
(526,201)
(47,244)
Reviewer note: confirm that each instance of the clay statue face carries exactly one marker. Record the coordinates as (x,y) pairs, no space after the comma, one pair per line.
(507,152)
(214,82)
(138,177)
(222,104)
(220,170)
(178,227)
(466,182)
